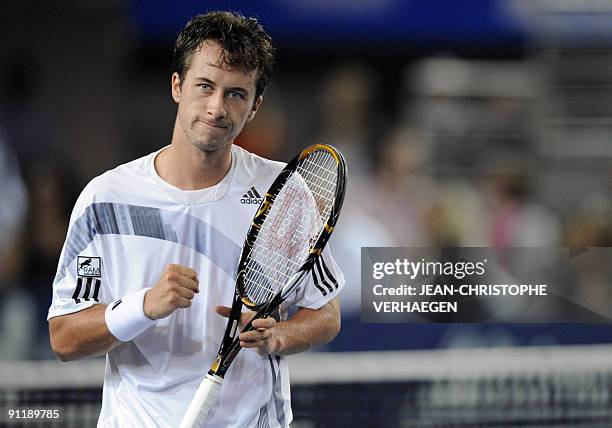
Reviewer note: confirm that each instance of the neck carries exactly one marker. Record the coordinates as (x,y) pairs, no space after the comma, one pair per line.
(188,168)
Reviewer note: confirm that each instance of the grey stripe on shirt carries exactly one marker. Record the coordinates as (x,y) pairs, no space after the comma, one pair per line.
(108,218)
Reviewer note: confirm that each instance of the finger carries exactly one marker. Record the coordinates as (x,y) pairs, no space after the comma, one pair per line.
(245,317)
(185,292)
(187,282)
(264,323)
(254,344)
(182,302)
(184,270)
(174,277)
(224,311)
(262,348)
(254,336)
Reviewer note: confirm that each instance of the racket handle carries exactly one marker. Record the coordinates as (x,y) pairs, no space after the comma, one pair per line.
(202,402)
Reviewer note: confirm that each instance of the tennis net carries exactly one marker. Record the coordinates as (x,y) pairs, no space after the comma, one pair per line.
(569,386)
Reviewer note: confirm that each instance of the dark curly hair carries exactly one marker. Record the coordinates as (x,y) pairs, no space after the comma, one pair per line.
(246,45)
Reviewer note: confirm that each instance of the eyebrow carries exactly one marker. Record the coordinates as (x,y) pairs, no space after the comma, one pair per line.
(235,88)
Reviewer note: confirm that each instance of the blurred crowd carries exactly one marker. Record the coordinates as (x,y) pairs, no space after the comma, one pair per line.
(451,157)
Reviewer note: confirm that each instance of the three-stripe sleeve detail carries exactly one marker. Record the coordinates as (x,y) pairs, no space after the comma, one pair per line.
(87,289)
(316,282)
(77,291)
(88,284)
(323,278)
(328,273)
(97,290)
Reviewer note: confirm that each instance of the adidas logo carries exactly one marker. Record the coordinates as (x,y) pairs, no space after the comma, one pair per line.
(251,197)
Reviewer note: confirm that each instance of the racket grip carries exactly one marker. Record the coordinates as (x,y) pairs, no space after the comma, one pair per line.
(202,402)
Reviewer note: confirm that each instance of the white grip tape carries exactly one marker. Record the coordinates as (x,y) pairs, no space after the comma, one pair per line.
(202,402)
(125,317)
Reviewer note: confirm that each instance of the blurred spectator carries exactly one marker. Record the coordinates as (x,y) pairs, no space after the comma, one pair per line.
(586,229)
(399,192)
(458,216)
(518,222)
(590,224)
(349,116)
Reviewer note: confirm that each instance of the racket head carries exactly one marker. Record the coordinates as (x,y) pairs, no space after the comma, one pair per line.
(292,225)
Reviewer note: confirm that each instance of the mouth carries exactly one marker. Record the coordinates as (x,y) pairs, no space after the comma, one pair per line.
(213,124)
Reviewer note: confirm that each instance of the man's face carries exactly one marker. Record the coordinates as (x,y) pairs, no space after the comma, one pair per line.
(214,101)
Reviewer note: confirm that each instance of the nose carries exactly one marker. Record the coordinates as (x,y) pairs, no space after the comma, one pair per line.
(216,106)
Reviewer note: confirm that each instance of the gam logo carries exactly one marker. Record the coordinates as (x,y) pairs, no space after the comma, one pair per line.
(89,266)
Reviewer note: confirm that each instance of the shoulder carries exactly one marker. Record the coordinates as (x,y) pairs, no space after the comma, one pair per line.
(253,168)
(114,184)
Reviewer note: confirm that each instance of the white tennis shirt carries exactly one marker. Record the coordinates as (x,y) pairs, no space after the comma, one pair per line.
(127,226)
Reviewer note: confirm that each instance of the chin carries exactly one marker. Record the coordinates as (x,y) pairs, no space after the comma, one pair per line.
(208,146)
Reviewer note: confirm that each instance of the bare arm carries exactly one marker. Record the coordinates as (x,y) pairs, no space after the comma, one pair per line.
(81,334)
(306,329)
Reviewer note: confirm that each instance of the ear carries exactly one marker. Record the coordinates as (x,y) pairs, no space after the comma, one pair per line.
(176,87)
(254,109)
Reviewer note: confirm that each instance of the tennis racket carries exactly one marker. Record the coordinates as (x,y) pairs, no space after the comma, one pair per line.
(287,235)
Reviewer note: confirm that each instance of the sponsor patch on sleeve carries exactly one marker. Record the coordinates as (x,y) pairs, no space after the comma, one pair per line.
(89,266)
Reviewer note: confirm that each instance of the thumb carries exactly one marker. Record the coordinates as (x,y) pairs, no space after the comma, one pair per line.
(224,311)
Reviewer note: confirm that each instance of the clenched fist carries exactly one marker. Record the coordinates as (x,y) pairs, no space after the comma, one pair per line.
(175,289)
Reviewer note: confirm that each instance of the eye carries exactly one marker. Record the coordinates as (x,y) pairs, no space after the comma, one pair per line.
(205,86)
(235,95)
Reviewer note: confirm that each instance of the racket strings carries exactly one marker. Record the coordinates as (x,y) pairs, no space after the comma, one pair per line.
(296,219)
(281,246)
(321,174)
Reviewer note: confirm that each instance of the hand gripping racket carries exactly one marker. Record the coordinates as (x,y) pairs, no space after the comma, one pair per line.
(288,233)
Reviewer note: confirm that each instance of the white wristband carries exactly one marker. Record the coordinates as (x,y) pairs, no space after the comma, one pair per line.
(125,317)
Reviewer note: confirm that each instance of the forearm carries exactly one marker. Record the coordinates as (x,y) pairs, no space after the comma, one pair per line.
(307,328)
(81,334)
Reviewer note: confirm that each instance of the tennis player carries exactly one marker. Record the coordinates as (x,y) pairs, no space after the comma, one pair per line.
(153,247)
